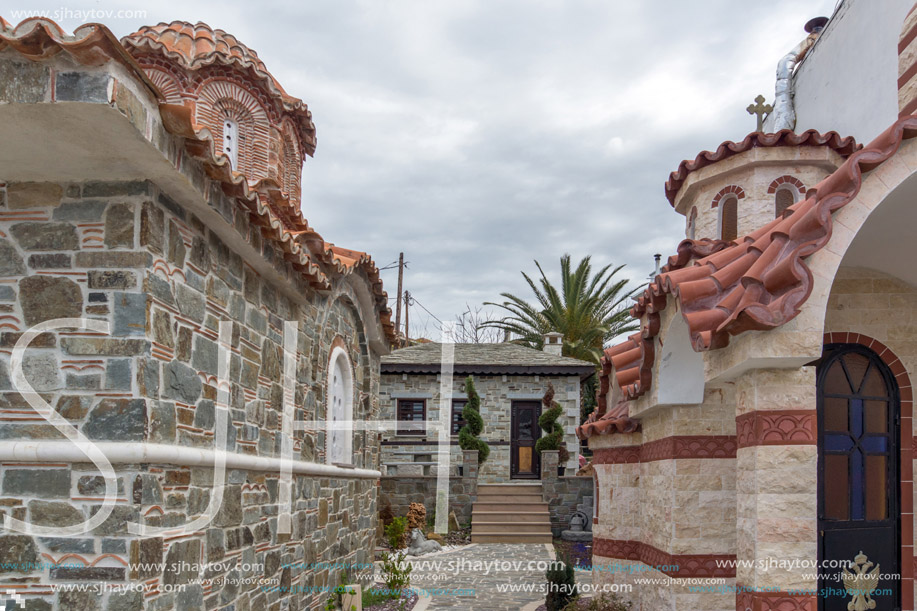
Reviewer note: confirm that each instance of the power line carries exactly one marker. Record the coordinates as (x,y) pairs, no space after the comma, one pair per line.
(414,300)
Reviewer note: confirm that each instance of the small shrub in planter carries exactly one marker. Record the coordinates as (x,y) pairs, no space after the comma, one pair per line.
(394,532)
(561,585)
(474,424)
(554,432)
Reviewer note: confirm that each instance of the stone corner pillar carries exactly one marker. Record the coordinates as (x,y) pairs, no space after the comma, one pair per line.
(776,487)
(550,460)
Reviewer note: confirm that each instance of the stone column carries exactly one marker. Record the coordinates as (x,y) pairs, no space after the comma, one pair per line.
(777,465)
(550,459)
(550,486)
(469,485)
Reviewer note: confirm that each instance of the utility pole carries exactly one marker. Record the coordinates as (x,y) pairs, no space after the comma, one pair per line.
(398,299)
(407,302)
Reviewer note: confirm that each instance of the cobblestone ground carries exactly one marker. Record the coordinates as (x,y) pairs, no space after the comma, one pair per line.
(467,568)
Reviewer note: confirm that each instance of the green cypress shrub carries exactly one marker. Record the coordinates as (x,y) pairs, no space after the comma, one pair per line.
(553,439)
(474,424)
(561,585)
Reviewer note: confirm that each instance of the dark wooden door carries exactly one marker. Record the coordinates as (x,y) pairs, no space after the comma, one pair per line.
(525,462)
(858,472)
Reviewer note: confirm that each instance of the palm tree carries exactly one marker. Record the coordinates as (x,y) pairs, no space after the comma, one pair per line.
(589,310)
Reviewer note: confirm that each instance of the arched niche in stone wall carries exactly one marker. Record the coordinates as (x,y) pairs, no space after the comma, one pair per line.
(680,380)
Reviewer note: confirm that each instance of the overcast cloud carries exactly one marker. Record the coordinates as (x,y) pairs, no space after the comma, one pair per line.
(477,136)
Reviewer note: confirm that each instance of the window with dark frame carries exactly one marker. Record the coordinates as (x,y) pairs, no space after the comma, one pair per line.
(411,410)
(457,421)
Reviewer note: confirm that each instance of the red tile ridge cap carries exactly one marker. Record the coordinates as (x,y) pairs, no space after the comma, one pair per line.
(843,146)
(758,282)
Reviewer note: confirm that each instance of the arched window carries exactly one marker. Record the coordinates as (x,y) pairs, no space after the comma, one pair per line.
(292,164)
(783,200)
(729,218)
(228,109)
(231,141)
(692,223)
(340,409)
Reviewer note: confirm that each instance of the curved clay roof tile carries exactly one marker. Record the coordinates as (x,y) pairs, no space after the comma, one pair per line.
(843,146)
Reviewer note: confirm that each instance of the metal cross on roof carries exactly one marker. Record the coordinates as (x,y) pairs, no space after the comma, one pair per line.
(761,110)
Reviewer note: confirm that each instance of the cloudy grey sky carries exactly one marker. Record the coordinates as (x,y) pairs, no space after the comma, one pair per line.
(479,135)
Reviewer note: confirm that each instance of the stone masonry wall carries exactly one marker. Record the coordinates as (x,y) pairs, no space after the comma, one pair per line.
(124,253)
(497,394)
(398,492)
(564,494)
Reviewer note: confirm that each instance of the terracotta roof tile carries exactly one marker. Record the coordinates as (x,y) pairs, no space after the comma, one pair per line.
(757,282)
(843,146)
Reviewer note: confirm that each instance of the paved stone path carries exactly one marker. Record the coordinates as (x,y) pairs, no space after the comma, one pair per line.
(483,567)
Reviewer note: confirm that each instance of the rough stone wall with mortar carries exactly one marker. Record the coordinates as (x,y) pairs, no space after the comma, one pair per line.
(398,492)
(497,394)
(126,254)
(564,494)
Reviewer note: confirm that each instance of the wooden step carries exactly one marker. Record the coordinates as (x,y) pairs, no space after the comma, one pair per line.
(498,528)
(512,517)
(512,538)
(510,498)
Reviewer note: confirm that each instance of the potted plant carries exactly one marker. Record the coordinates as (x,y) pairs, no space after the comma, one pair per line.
(553,439)
(474,424)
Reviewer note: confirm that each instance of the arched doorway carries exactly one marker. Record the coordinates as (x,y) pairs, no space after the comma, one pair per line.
(859,516)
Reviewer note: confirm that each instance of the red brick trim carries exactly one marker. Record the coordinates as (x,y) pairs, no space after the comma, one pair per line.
(908,447)
(669,448)
(774,601)
(789,180)
(616,456)
(777,428)
(681,565)
(739,193)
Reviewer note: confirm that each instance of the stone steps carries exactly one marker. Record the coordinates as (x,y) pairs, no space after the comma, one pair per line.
(512,517)
(510,513)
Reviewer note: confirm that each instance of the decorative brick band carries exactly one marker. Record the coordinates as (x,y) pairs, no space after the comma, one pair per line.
(907,66)
(739,193)
(783,427)
(774,601)
(668,448)
(681,565)
(786,179)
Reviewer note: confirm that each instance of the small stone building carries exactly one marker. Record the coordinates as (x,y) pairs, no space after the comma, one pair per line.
(757,433)
(511,381)
(150,193)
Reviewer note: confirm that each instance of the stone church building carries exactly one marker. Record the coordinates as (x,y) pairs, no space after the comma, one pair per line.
(149,192)
(758,430)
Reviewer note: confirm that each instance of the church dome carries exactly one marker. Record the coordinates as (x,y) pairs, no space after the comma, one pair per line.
(196,45)
(262,131)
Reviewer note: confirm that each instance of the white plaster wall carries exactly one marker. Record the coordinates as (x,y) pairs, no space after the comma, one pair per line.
(848,81)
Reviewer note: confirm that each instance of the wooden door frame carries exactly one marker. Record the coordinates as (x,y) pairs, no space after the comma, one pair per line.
(513,454)
(895,409)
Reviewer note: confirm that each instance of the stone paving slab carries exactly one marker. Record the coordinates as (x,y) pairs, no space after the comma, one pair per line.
(483,567)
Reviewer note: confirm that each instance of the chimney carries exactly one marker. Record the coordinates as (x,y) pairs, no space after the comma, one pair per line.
(554,343)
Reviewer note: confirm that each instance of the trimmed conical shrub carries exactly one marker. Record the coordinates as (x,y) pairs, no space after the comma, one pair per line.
(474,424)
(553,439)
